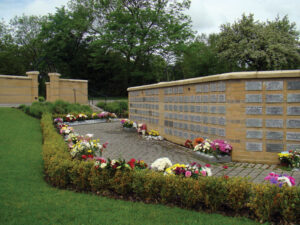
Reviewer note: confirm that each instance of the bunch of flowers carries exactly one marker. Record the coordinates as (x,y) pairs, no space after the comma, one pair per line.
(106,115)
(65,129)
(137,164)
(87,148)
(81,117)
(128,123)
(204,147)
(94,116)
(142,128)
(193,170)
(100,163)
(221,147)
(280,180)
(72,138)
(161,164)
(70,118)
(58,120)
(154,133)
(197,141)
(188,144)
(290,158)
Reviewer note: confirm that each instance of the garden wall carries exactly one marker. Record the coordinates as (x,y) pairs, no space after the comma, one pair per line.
(257,112)
(66,89)
(19,89)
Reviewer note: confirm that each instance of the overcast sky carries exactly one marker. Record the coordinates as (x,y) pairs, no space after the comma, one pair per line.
(207,15)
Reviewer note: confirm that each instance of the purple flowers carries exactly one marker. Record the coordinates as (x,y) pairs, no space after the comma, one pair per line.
(280,180)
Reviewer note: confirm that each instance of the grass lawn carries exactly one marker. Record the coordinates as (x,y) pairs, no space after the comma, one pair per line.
(27,199)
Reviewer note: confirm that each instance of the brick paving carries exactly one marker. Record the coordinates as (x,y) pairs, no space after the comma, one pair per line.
(127,145)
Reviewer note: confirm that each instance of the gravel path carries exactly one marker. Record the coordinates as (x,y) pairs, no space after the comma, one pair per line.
(127,145)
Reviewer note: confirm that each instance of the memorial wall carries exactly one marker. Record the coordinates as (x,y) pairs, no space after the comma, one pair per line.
(258,113)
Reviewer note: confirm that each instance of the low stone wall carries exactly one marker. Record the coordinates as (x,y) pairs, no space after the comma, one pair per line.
(257,112)
(70,90)
(19,89)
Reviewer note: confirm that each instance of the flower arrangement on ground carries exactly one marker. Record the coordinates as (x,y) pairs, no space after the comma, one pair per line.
(188,144)
(280,180)
(81,117)
(153,133)
(161,164)
(290,159)
(193,170)
(69,118)
(197,141)
(127,123)
(107,115)
(216,147)
(65,129)
(142,128)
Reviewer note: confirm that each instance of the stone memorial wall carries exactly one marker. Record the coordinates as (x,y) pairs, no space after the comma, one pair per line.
(257,112)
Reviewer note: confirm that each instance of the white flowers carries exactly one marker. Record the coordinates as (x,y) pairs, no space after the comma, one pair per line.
(161,164)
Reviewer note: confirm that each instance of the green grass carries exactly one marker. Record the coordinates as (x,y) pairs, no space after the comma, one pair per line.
(27,199)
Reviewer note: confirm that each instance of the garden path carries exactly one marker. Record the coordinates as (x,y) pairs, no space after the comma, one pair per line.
(127,145)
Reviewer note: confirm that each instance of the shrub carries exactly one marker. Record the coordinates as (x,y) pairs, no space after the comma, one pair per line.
(41,99)
(265,201)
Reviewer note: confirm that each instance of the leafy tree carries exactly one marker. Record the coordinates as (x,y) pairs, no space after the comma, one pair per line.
(253,45)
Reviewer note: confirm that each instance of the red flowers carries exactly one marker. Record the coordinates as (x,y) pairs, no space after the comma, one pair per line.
(83,156)
(207,165)
(225,167)
(131,163)
(188,143)
(90,156)
(105,144)
(226,177)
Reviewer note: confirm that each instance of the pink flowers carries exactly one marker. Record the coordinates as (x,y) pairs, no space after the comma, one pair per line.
(189,173)
(225,167)
(222,146)
(280,180)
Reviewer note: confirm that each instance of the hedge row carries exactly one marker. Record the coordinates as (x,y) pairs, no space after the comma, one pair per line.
(237,196)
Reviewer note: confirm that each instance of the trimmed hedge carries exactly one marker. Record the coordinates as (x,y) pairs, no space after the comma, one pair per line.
(234,196)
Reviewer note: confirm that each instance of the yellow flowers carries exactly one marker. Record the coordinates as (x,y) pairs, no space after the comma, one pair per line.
(281,155)
(154,133)
(89,151)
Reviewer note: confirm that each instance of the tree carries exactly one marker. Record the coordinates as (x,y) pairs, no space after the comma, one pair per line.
(138,30)
(253,45)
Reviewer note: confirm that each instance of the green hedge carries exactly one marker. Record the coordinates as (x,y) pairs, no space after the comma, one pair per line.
(234,196)
(36,109)
(118,107)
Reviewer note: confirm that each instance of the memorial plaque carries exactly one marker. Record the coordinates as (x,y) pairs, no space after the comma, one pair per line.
(180,99)
(198,98)
(222,98)
(254,146)
(205,130)
(213,87)
(198,88)
(293,110)
(180,125)
(274,98)
(192,127)
(180,134)
(180,90)
(293,136)
(221,86)
(170,107)
(274,147)
(276,110)
(185,126)
(293,147)
(221,132)
(213,120)
(205,88)
(197,118)
(222,121)
(180,116)
(192,99)
(186,99)
(186,108)
(222,109)
(198,128)
(256,134)
(175,108)
(293,98)
(253,85)
(181,108)
(293,123)
(273,85)
(251,98)
(192,108)
(213,131)
(293,85)
(205,119)
(185,135)
(176,133)
(254,122)
(191,117)
(205,98)
(274,135)
(213,98)
(213,109)
(198,108)
(254,110)
(205,109)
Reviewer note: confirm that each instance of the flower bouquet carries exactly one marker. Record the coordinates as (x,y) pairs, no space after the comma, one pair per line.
(81,117)
(290,159)
(193,170)
(280,180)
(65,129)
(87,148)
(70,118)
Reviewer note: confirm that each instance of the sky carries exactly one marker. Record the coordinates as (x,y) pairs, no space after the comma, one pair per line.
(206,15)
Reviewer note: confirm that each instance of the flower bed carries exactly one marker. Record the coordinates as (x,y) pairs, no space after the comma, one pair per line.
(83,118)
(262,201)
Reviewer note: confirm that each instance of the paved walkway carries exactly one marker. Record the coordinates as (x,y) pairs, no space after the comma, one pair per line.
(127,145)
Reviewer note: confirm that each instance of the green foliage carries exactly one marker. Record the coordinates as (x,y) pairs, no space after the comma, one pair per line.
(253,45)
(41,99)
(118,107)
(265,201)
(58,107)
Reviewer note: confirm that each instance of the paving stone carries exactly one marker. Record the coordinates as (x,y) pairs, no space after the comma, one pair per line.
(265,166)
(257,166)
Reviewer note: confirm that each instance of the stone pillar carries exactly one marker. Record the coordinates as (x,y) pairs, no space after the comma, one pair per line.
(53,87)
(34,84)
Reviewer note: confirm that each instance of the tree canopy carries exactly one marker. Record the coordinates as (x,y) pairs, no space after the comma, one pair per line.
(116,44)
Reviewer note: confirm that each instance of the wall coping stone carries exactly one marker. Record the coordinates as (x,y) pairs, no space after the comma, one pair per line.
(73,80)
(225,76)
(15,77)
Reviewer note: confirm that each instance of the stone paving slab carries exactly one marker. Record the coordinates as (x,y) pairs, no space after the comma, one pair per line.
(127,145)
